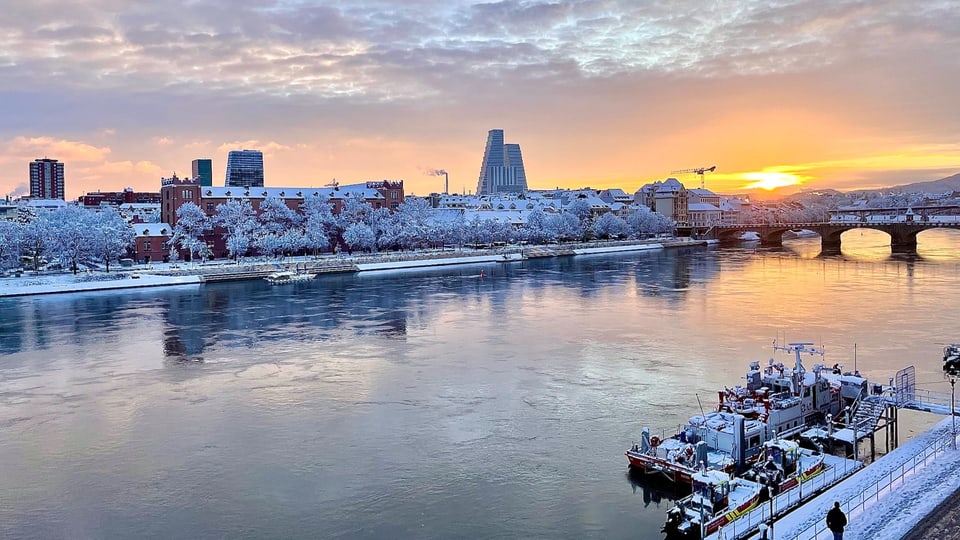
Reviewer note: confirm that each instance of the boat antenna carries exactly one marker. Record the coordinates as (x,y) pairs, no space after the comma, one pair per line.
(701,406)
(854,357)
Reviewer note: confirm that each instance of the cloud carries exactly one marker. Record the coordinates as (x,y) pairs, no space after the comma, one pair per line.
(162,141)
(268,148)
(61,149)
(595,90)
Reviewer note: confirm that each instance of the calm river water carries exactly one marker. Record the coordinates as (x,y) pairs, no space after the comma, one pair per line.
(423,404)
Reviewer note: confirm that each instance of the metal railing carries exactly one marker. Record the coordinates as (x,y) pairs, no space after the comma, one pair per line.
(784,502)
(855,505)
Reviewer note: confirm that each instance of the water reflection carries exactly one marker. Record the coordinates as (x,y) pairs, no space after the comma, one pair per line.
(416,404)
(655,489)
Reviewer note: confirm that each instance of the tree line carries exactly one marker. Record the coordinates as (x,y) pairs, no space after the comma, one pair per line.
(73,238)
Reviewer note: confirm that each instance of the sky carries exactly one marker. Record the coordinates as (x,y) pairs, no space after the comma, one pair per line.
(843,94)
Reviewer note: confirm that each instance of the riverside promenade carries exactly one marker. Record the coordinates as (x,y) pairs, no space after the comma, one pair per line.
(195,274)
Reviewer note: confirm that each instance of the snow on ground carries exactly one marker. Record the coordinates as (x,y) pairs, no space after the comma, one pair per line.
(97,281)
(894,509)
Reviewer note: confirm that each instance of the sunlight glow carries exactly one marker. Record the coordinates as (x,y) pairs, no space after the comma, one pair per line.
(770,180)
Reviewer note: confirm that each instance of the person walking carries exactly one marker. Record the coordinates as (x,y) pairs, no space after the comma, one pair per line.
(836,521)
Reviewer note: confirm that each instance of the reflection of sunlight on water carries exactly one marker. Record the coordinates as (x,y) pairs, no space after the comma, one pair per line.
(865,244)
(939,245)
(873,245)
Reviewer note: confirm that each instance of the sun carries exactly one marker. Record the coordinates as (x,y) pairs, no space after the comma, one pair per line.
(770,180)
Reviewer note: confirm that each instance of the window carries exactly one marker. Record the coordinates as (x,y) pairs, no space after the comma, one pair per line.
(394,195)
(147,246)
(209,207)
(187,194)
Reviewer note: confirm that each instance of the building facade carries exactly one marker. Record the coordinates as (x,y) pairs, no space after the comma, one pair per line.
(244,168)
(203,169)
(46,179)
(502,168)
(117,198)
(175,192)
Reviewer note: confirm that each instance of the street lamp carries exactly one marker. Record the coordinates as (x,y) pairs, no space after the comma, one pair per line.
(771,483)
(951,368)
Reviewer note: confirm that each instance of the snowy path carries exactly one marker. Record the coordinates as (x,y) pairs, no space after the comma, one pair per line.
(897,491)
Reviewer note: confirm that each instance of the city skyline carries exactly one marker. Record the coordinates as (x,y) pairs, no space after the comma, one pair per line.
(839,95)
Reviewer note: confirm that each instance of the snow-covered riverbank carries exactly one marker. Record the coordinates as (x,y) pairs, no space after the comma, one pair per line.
(163,274)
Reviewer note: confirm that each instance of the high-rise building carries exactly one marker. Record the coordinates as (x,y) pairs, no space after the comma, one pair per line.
(244,168)
(203,169)
(502,168)
(46,179)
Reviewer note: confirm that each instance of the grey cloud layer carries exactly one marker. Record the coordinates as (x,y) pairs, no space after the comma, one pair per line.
(386,50)
(426,70)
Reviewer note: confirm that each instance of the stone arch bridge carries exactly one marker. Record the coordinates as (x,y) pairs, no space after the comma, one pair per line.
(903,234)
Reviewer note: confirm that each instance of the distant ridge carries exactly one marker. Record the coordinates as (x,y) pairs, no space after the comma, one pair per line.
(950,183)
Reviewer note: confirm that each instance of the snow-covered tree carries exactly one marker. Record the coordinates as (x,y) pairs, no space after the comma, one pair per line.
(359,236)
(276,219)
(380,222)
(69,243)
(610,225)
(110,235)
(453,232)
(580,208)
(645,221)
(192,221)
(36,236)
(354,210)
(239,221)
(320,228)
(11,234)
(535,229)
(564,227)
(412,223)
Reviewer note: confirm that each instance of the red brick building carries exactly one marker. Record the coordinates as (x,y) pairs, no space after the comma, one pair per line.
(175,192)
(117,198)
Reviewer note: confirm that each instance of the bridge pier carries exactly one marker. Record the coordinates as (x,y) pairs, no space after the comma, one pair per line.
(772,239)
(903,240)
(904,246)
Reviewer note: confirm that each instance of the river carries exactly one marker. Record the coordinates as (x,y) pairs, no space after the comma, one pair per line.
(424,404)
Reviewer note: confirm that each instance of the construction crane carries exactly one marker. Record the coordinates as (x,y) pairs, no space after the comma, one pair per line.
(699,171)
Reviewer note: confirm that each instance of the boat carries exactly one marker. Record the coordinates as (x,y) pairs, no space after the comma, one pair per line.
(718,498)
(784,465)
(674,458)
(287,276)
(778,401)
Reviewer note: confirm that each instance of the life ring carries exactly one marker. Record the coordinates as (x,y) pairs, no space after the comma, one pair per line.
(689,450)
(655,441)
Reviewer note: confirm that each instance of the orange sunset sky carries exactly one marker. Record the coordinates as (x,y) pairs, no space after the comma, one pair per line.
(600,93)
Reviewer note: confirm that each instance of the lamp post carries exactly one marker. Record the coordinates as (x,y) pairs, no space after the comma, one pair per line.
(953,412)
(771,483)
(951,368)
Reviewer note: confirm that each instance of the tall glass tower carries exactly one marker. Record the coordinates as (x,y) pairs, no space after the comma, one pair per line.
(203,169)
(244,168)
(502,168)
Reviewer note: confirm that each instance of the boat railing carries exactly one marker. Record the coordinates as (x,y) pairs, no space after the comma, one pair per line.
(887,484)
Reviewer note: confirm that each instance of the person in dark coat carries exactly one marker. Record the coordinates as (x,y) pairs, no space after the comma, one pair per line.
(836,521)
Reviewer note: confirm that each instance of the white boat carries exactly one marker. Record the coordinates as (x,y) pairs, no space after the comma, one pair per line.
(717,499)
(777,401)
(785,465)
(287,276)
